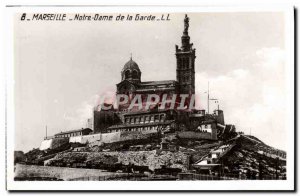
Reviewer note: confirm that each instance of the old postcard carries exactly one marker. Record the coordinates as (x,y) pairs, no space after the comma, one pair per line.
(150,98)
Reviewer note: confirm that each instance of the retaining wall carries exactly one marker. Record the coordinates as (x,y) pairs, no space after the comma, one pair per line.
(195,135)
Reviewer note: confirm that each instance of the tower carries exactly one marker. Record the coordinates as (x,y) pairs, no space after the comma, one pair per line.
(185,70)
(131,72)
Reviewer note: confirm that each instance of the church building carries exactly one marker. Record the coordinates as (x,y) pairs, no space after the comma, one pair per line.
(131,84)
(185,73)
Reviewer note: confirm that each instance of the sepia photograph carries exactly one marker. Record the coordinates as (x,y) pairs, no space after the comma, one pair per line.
(190,96)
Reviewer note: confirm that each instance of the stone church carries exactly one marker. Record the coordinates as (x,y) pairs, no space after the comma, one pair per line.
(123,120)
(185,73)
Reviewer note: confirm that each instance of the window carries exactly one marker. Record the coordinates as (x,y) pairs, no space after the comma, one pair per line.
(152,119)
(127,74)
(162,117)
(147,119)
(156,118)
(135,74)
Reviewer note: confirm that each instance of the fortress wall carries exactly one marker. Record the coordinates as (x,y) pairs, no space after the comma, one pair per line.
(90,138)
(85,139)
(133,135)
(117,137)
(194,135)
(104,138)
(110,137)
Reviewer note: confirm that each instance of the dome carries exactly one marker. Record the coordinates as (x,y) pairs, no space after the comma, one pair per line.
(131,72)
(131,65)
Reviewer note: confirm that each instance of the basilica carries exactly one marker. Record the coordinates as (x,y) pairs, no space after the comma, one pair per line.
(185,73)
(124,119)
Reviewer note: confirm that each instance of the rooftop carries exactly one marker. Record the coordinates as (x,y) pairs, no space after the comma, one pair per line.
(155,83)
(148,112)
(131,65)
(74,131)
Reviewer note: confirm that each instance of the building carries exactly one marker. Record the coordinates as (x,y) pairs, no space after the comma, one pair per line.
(209,126)
(155,119)
(123,123)
(104,119)
(185,56)
(131,82)
(72,133)
(149,121)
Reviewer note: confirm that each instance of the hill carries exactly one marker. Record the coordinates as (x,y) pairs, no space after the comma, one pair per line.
(239,156)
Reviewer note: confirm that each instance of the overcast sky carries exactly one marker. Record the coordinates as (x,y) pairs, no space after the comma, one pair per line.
(61,68)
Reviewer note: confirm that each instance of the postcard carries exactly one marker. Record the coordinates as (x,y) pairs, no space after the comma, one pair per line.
(150,98)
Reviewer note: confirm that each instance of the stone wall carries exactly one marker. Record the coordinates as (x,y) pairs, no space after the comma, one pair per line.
(133,135)
(97,139)
(195,135)
(110,137)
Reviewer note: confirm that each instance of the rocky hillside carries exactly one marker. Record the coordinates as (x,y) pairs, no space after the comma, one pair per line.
(255,159)
(151,159)
(242,155)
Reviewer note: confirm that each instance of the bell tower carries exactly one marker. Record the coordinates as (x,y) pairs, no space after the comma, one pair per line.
(185,70)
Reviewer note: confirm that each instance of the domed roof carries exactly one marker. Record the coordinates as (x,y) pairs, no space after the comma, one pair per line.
(131,65)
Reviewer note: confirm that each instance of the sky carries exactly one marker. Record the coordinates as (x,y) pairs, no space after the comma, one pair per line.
(62,68)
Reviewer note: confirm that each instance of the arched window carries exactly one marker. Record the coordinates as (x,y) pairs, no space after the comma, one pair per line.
(135,74)
(127,74)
